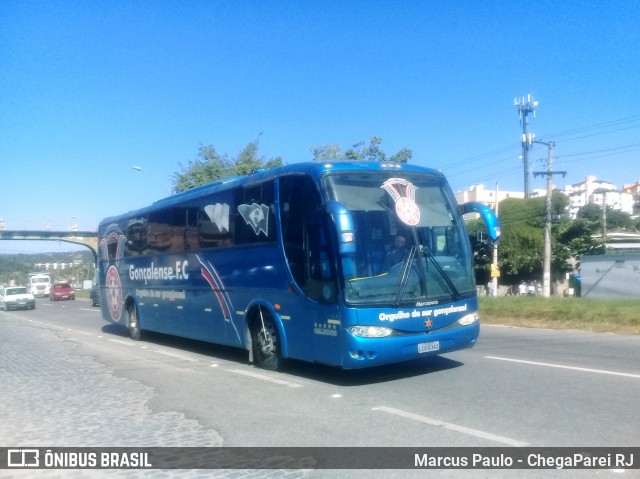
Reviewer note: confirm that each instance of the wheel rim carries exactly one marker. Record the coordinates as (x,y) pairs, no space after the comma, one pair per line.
(266,344)
(134,326)
(266,340)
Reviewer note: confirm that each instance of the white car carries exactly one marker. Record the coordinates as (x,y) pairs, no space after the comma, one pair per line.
(16,297)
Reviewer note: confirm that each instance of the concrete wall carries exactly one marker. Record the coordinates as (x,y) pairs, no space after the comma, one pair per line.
(610,276)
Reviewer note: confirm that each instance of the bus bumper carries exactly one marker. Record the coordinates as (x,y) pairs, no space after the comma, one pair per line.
(366,352)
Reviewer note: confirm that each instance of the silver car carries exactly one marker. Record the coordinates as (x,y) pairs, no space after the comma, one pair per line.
(16,297)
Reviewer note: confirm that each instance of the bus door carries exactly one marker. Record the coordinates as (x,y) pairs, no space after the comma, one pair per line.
(311,262)
(321,288)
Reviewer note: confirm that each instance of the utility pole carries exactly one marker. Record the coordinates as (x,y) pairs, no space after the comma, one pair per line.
(604,218)
(546,274)
(524,107)
(603,192)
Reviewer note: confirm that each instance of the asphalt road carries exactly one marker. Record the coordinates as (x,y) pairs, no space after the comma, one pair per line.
(71,379)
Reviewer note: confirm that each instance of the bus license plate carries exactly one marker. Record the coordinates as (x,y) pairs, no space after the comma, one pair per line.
(428,347)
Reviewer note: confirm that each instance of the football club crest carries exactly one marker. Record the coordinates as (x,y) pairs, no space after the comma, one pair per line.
(256,216)
(219,215)
(114,292)
(403,193)
(111,251)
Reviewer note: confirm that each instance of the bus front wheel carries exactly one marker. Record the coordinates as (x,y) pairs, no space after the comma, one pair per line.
(133,323)
(266,344)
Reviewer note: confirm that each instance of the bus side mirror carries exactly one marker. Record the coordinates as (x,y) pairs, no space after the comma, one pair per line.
(341,217)
(488,216)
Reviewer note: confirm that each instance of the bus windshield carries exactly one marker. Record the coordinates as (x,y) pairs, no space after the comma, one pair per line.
(410,241)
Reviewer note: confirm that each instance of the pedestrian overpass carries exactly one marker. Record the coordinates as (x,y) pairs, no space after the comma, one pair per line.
(84,238)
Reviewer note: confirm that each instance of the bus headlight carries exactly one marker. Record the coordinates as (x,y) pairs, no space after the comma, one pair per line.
(469,319)
(369,331)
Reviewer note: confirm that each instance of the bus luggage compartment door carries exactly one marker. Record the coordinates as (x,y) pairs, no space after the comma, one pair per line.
(327,332)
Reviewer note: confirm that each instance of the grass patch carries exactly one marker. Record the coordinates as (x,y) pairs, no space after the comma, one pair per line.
(598,315)
(83,293)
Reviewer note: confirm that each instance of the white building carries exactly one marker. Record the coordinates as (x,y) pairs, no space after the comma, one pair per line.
(488,197)
(594,191)
(590,191)
(633,188)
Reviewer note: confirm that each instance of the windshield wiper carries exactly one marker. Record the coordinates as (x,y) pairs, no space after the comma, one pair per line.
(404,275)
(441,274)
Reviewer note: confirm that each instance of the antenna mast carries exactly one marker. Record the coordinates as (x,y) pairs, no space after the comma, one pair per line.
(524,107)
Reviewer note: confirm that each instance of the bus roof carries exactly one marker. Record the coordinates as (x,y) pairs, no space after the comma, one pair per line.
(315,169)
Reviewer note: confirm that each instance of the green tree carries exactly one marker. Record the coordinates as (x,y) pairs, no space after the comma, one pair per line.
(591,212)
(521,251)
(616,219)
(249,161)
(570,240)
(522,243)
(359,152)
(210,166)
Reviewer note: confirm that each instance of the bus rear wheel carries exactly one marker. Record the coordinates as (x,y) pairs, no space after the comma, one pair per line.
(133,324)
(266,344)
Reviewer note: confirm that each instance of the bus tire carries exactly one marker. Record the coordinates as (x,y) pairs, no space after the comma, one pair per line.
(266,344)
(133,324)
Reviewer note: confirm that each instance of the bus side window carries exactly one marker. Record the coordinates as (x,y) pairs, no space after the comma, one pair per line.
(255,222)
(136,233)
(214,222)
(191,232)
(166,230)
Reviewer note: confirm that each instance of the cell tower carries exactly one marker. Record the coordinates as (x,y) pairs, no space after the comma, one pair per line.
(524,107)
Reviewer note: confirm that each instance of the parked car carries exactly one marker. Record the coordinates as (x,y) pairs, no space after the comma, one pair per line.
(60,291)
(17,297)
(94,296)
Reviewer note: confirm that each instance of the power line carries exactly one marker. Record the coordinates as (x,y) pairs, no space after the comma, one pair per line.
(612,151)
(627,123)
(621,121)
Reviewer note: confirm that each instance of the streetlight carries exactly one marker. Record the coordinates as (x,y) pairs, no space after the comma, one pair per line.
(139,168)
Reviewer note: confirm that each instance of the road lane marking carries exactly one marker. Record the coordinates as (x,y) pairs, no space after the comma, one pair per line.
(281,382)
(120,341)
(453,427)
(561,366)
(175,355)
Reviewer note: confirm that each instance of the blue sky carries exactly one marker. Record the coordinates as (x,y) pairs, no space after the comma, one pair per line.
(89,89)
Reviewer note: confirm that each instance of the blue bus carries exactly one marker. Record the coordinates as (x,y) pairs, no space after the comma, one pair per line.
(349,264)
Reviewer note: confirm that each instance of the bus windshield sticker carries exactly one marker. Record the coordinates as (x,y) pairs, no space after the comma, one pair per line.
(219,215)
(406,207)
(256,216)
